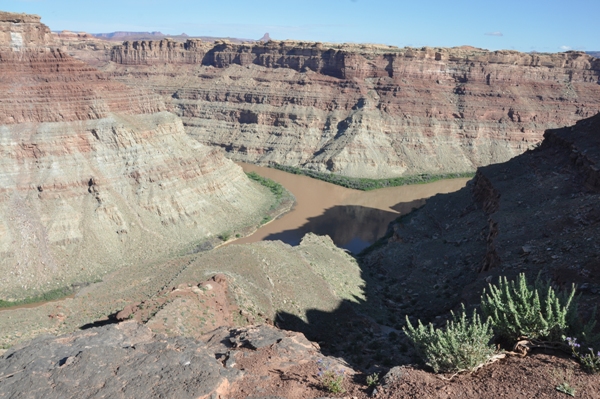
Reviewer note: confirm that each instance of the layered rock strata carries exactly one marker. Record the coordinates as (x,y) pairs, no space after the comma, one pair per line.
(95,175)
(370,111)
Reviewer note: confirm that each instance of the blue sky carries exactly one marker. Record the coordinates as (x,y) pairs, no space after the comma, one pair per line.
(524,25)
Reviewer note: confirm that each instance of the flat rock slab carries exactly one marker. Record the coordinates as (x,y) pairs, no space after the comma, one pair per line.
(255,337)
(116,361)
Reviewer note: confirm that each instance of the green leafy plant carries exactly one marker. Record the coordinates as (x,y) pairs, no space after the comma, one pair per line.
(463,345)
(566,388)
(519,310)
(373,379)
(564,380)
(331,379)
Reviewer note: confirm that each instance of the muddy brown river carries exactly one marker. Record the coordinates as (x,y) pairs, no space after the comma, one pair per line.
(353,219)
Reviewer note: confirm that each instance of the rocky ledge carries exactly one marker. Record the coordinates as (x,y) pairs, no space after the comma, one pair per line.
(127,360)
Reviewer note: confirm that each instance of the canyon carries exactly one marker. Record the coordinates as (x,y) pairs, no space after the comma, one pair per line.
(363,110)
(536,213)
(115,179)
(97,175)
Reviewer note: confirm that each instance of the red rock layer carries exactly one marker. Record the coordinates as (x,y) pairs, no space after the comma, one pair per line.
(50,86)
(364,110)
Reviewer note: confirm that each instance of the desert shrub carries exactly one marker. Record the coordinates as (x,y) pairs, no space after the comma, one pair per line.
(585,332)
(225,236)
(463,345)
(373,380)
(332,379)
(535,312)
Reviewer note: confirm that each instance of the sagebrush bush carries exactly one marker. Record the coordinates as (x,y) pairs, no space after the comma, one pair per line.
(463,345)
(519,310)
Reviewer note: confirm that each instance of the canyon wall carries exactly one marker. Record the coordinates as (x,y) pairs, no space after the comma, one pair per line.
(95,175)
(363,110)
(536,214)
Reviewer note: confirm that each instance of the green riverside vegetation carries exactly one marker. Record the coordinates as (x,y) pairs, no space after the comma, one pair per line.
(45,297)
(276,188)
(365,184)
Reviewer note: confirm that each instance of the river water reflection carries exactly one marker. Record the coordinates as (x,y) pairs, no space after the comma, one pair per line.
(353,219)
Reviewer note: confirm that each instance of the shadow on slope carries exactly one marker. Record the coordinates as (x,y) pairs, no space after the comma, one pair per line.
(368,333)
(535,214)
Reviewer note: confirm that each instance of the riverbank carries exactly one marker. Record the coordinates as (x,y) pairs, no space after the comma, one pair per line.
(365,184)
(38,300)
(284,203)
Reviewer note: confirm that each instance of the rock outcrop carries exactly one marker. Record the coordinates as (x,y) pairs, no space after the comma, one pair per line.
(121,361)
(127,360)
(194,294)
(23,31)
(95,175)
(364,110)
(84,46)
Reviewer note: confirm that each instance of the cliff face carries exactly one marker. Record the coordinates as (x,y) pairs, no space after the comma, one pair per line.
(95,175)
(50,86)
(23,31)
(536,213)
(373,111)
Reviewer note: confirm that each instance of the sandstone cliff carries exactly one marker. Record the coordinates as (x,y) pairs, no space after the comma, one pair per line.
(363,110)
(23,31)
(95,175)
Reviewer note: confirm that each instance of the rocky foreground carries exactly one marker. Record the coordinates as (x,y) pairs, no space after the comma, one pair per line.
(363,110)
(97,175)
(260,362)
